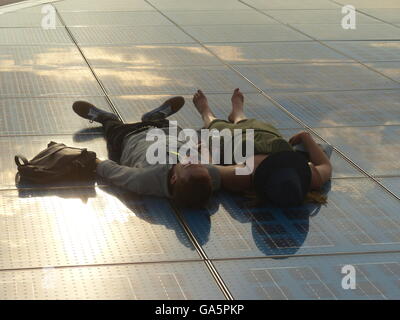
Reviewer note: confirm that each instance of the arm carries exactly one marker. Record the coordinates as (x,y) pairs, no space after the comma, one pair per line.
(322,170)
(146,181)
(231,181)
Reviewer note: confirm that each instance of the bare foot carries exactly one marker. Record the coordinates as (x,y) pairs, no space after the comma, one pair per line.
(201,104)
(237,106)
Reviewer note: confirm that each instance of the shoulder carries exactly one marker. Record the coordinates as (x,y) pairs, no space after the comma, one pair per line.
(316,182)
(319,175)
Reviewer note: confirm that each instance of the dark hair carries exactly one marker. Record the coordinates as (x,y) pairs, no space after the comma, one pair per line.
(192,193)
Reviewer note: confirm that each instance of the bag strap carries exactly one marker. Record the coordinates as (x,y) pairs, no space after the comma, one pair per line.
(25,161)
(49,153)
(17,159)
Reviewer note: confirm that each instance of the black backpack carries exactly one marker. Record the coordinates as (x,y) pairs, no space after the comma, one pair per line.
(57,163)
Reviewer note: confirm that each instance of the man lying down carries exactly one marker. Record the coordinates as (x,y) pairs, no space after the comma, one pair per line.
(274,172)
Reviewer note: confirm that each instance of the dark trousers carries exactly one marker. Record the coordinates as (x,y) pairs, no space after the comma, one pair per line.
(115,131)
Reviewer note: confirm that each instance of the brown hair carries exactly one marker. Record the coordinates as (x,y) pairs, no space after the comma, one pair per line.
(194,192)
(316,197)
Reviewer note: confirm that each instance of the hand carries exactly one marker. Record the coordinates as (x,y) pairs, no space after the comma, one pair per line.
(298,138)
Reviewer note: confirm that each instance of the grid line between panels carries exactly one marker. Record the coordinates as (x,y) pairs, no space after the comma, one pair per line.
(210,43)
(368,15)
(89,66)
(210,266)
(106,264)
(302,255)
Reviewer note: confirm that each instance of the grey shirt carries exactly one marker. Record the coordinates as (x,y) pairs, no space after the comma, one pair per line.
(136,174)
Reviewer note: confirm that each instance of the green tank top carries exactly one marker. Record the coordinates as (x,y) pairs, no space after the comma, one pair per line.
(267,139)
(268,143)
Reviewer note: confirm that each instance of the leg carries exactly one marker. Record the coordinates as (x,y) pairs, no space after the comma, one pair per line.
(168,108)
(237,107)
(115,131)
(201,104)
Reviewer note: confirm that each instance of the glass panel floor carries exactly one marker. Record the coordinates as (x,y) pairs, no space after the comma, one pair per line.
(297,68)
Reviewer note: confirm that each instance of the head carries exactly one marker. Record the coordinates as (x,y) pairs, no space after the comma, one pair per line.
(283,179)
(191,185)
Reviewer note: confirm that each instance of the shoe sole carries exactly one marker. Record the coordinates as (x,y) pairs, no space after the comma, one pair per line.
(82,109)
(174,104)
